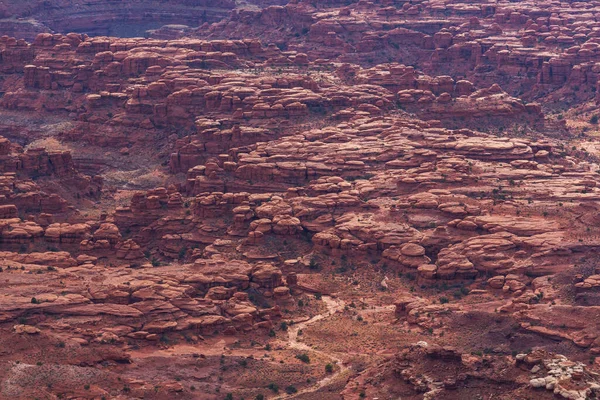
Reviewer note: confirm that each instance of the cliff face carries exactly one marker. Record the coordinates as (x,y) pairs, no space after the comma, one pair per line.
(106,18)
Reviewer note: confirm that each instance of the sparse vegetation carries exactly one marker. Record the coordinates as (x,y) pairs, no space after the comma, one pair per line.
(291,389)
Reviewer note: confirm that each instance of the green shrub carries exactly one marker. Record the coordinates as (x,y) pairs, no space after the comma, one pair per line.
(291,389)
(303,357)
(314,265)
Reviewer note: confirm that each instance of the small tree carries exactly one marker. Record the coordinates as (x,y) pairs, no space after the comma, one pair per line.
(303,357)
(314,264)
(291,389)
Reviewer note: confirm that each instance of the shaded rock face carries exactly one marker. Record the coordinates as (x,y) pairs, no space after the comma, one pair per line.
(345,199)
(108,18)
(120,18)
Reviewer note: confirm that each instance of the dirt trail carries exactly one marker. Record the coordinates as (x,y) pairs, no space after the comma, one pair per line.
(220,347)
(333,306)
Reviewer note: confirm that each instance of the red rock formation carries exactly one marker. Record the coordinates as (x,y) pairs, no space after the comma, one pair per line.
(293,186)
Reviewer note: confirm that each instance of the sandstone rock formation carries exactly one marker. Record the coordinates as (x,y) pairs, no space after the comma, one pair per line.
(329,199)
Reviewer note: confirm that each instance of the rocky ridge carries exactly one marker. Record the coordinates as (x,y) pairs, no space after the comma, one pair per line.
(312,199)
